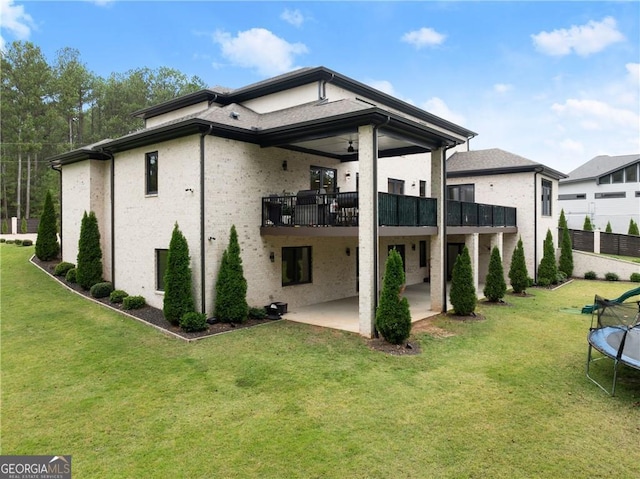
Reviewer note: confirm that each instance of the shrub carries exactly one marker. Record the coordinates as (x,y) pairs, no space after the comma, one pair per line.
(633,228)
(393,318)
(590,275)
(89,262)
(133,302)
(47,246)
(495,286)
(231,285)
(611,277)
(562,222)
(463,292)
(178,298)
(518,274)
(257,313)
(62,268)
(587,226)
(635,278)
(566,254)
(117,296)
(3,240)
(547,270)
(193,321)
(18,242)
(101,290)
(27,242)
(10,241)
(72,276)
(23,226)
(608,228)
(561,277)
(544,282)
(5,226)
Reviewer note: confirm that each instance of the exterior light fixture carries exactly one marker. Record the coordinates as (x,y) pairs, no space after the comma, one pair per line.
(272,256)
(284,165)
(348,251)
(351,149)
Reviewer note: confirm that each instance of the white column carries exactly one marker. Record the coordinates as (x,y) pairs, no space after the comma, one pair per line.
(471,241)
(438,243)
(368,229)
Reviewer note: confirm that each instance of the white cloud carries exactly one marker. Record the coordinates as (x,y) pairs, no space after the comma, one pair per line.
(383,85)
(502,87)
(583,40)
(294,17)
(423,38)
(633,72)
(259,49)
(596,115)
(14,19)
(437,106)
(571,146)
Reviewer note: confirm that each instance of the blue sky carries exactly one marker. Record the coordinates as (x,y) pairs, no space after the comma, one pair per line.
(555,82)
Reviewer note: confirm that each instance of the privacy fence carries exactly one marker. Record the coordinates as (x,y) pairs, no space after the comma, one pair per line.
(605,243)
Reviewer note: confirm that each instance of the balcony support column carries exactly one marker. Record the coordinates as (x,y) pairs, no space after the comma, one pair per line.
(472,242)
(368,229)
(438,243)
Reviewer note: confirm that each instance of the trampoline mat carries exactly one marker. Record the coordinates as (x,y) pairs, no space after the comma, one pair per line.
(607,341)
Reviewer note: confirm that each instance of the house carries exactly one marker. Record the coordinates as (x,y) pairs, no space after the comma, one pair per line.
(605,188)
(496,176)
(319,173)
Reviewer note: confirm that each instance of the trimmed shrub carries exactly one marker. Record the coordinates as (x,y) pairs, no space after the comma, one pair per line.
(193,321)
(633,228)
(27,242)
(117,296)
(3,240)
(495,286)
(133,302)
(101,290)
(47,246)
(18,242)
(393,318)
(518,274)
(547,270)
(544,282)
(178,298)
(23,226)
(62,268)
(89,263)
(608,228)
(561,277)
(231,285)
(10,241)
(587,226)
(611,277)
(257,313)
(463,292)
(566,254)
(635,278)
(72,276)
(590,275)
(562,222)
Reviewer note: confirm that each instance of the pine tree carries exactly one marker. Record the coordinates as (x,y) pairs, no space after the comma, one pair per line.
(587,224)
(231,285)
(178,297)
(495,286)
(518,274)
(608,228)
(566,254)
(463,292)
(47,246)
(89,262)
(633,228)
(547,269)
(562,222)
(393,318)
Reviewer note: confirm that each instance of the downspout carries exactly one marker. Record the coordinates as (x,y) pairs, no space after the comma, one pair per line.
(203,302)
(535,224)
(444,226)
(113,216)
(58,168)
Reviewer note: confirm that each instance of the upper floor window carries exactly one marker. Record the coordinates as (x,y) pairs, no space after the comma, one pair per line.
(461,193)
(546,197)
(624,175)
(151,161)
(631,173)
(323,178)
(423,188)
(395,187)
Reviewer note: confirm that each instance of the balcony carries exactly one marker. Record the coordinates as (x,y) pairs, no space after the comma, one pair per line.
(461,213)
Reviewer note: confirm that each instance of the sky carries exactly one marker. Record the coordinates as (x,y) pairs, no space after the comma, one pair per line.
(555,82)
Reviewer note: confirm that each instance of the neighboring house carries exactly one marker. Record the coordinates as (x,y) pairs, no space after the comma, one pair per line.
(319,173)
(605,188)
(498,177)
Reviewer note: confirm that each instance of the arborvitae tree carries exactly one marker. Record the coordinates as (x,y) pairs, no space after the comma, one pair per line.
(566,254)
(495,286)
(5,226)
(89,262)
(47,246)
(23,226)
(633,228)
(608,228)
(547,270)
(178,297)
(463,292)
(393,318)
(518,274)
(231,286)
(562,222)
(587,224)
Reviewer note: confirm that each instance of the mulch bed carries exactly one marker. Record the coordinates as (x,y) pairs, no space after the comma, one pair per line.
(148,314)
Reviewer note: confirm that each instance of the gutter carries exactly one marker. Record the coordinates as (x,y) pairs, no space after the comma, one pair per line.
(58,168)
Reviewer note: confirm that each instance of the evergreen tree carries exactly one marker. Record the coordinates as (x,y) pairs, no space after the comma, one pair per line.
(587,224)
(231,285)
(562,222)
(47,246)
(463,292)
(518,274)
(566,254)
(178,297)
(495,286)
(89,262)
(547,269)
(393,318)
(633,228)
(608,228)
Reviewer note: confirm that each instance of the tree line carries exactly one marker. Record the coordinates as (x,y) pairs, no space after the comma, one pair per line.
(50,107)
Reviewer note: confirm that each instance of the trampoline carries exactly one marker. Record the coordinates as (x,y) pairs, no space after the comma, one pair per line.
(615,334)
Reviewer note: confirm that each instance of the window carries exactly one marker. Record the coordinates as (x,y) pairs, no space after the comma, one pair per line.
(604,180)
(423,188)
(461,193)
(296,265)
(573,196)
(152,173)
(423,254)
(617,176)
(395,187)
(631,173)
(611,194)
(546,198)
(161,267)
(323,178)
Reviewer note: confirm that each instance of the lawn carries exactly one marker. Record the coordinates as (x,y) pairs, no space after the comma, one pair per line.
(505,397)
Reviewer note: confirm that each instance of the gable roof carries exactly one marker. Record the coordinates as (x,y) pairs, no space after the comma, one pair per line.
(599,166)
(494,161)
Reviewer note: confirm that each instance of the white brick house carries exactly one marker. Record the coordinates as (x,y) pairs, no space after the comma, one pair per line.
(302,164)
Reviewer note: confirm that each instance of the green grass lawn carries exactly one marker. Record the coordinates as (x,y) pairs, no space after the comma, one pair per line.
(505,397)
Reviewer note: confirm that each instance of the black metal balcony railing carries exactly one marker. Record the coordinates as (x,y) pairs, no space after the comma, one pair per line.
(341,209)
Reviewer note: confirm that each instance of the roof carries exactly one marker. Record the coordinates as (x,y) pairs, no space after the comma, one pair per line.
(599,166)
(494,161)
